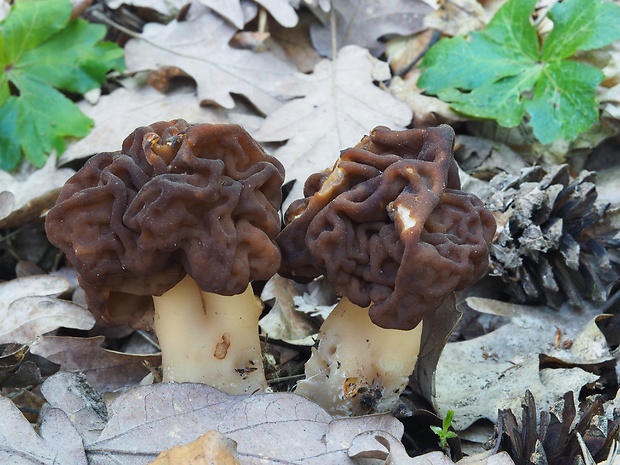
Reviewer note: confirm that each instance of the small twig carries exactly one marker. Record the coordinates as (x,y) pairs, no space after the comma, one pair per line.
(412,63)
(262,20)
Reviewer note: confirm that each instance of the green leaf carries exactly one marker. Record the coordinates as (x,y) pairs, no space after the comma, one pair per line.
(502,72)
(564,102)
(11,152)
(29,23)
(503,100)
(43,53)
(580,25)
(41,130)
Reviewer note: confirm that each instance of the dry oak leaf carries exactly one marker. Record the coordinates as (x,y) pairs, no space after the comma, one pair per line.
(268,428)
(116,114)
(233,11)
(29,308)
(335,107)
(24,200)
(199,47)
(477,377)
(57,443)
(364,23)
(106,370)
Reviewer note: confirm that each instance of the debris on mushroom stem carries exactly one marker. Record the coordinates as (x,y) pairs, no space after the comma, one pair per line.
(391,230)
(180,206)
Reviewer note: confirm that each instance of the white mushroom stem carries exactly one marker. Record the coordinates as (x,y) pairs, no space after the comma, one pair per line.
(358,367)
(210,338)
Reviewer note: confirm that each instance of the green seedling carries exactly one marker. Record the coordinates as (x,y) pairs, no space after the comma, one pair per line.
(444,432)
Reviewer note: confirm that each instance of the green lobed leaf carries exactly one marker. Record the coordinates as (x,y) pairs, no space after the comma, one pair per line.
(29,23)
(501,73)
(11,153)
(42,52)
(579,25)
(503,100)
(564,102)
(41,130)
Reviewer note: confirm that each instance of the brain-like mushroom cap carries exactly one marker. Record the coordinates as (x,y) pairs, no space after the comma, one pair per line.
(177,199)
(389,226)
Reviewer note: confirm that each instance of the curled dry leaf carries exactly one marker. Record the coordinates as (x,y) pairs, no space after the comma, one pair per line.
(337,104)
(386,447)
(29,308)
(199,47)
(287,321)
(457,17)
(24,200)
(211,448)
(233,11)
(106,370)
(19,368)
(477,377)
(58,442)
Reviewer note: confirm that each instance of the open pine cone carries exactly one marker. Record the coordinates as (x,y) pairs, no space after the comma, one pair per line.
(553,243)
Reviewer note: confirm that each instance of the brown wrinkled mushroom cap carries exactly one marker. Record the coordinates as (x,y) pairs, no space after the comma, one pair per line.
(177,199)
(389,226)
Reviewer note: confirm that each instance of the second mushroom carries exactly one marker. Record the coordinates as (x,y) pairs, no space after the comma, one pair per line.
(392,231)
(178,223)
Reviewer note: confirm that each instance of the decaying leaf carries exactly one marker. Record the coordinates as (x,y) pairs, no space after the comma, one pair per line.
(106,370)
(338,104)
(20,368)
(211,448)
(457,17)
(24,200)
(29,309)
(199,47)
(370,445)
(477,377)
(292,317)
(168,8)
(365,23)
(84,406)
(276,428)
(58,442)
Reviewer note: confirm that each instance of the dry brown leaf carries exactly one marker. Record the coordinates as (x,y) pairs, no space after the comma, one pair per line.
(233,11)
(105,370)
(29,309)
(427,110)
(364,23)
(477,377)
(58,442)
(210,448)
(457,17)
(268,428)
(284,321)
(24,200)
(84,406)
(118,113)
(199,47)
(168,8)
(337,106)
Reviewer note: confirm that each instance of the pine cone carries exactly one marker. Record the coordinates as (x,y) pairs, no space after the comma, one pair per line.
(553,243)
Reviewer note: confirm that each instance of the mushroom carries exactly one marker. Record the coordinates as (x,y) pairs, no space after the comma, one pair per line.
(172,229)
(391,230)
